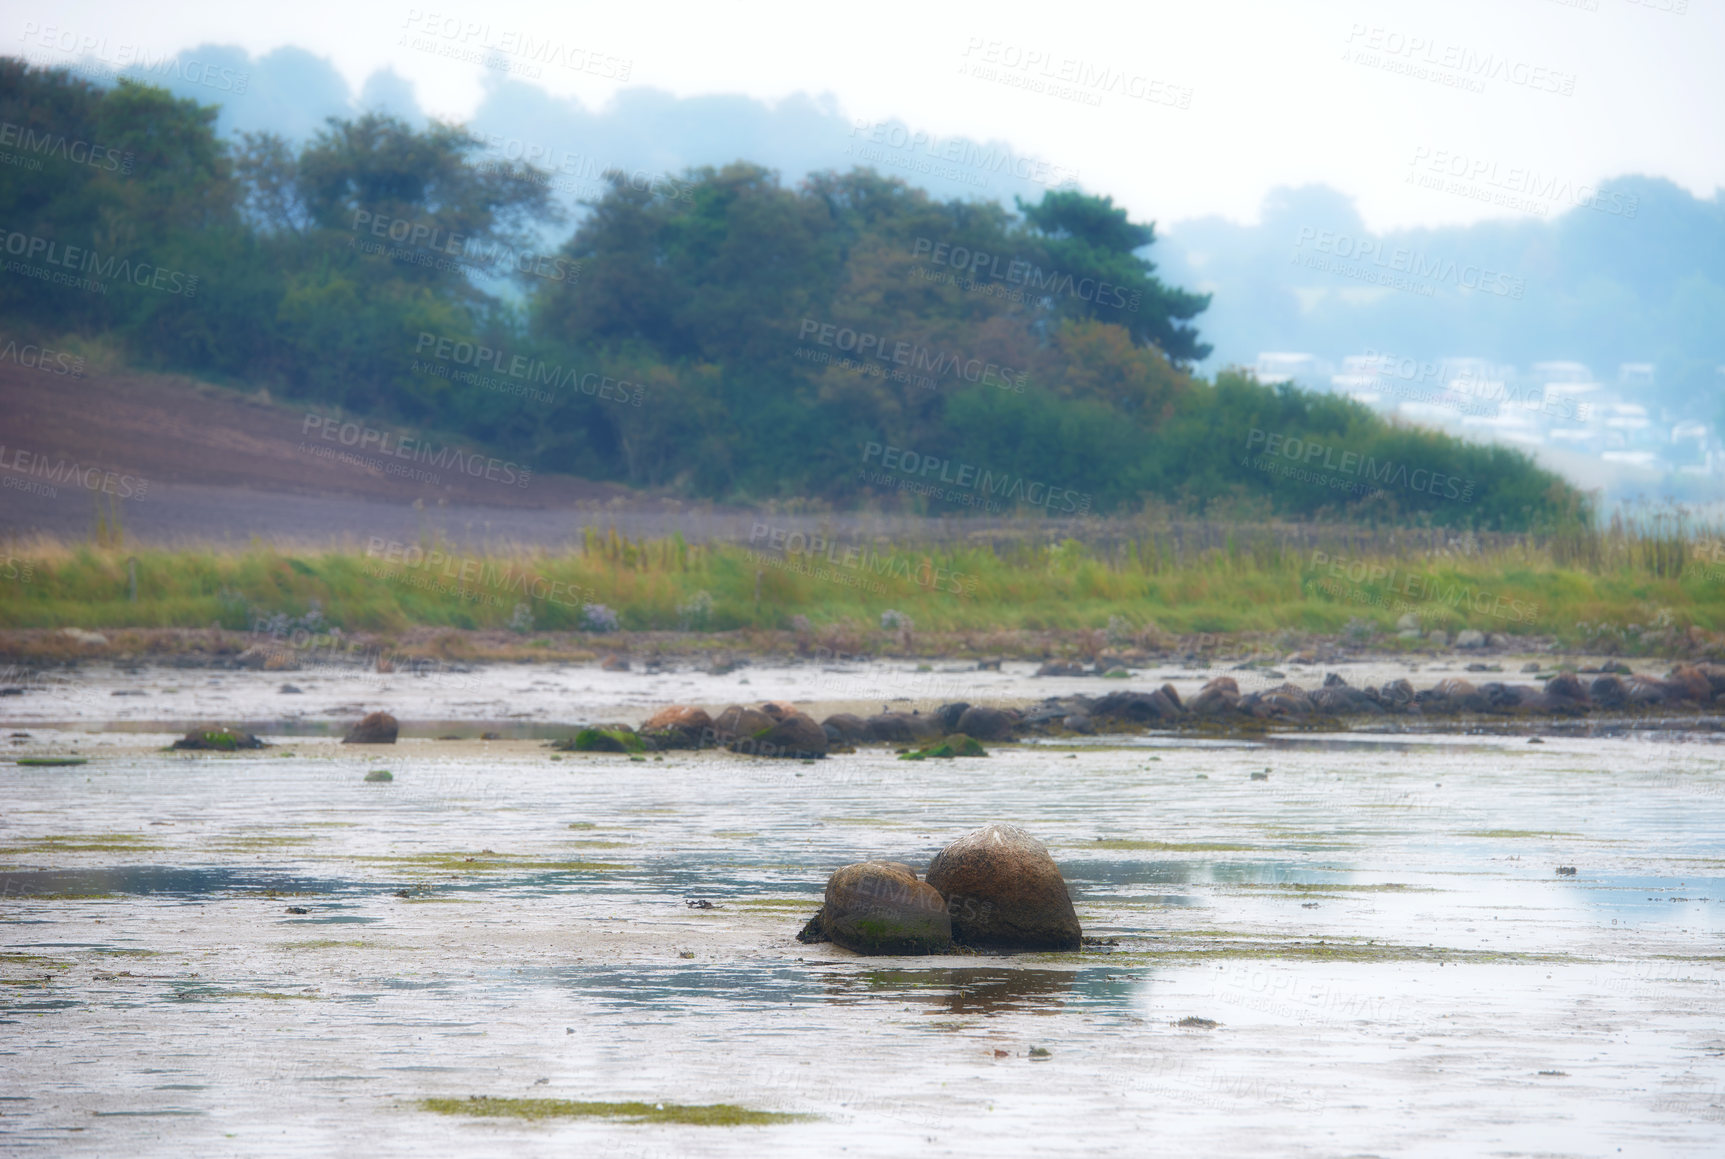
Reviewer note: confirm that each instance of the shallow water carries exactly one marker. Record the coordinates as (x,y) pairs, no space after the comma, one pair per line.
(1377,928)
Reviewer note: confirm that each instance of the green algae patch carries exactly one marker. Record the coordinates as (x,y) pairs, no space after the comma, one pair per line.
(956,745)
(50,762)
(377,776)
(486,861)
(83,843)
(707,1115)
(1129,843)
(253,842)
(1514,833)
(206,994)
(602,740)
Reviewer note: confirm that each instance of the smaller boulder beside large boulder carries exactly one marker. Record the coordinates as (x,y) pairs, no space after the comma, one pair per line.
(879,907)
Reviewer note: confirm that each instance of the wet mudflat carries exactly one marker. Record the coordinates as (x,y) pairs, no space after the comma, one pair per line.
(1368,951)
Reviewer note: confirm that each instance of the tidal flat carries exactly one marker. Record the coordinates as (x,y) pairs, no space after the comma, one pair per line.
(1370,950)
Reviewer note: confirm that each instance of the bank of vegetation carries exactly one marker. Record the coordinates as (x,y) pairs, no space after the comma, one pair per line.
(722,335)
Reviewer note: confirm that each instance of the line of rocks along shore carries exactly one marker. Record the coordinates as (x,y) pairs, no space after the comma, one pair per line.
(777,729)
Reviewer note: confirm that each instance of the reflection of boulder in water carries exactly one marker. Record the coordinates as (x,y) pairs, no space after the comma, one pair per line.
(971,989)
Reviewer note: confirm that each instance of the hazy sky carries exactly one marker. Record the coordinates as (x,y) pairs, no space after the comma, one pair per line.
(1178,110)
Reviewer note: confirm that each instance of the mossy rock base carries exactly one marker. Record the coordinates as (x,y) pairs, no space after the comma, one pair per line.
(708,1115)
(379,775)
(223,740)
(603,740)
(956,745)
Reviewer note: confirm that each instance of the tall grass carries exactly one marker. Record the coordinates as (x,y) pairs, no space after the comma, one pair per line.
(1632,580)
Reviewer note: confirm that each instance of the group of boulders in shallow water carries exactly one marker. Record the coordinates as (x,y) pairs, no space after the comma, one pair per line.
(375,728)
(1688,686)
(995,888)
(775,729)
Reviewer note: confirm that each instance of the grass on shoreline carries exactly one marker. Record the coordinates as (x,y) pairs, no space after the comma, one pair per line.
(851,598)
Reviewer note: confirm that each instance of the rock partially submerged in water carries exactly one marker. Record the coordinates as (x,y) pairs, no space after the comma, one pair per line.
(844,728)
(604,738)
(681,726)
(797,736)
(900,728)
(736,721)
(986,723)
(956,745)
(879,907)
(223,740)
(1004,891)
(375,728)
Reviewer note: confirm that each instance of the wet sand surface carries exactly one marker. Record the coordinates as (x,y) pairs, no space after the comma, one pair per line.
(1377,929)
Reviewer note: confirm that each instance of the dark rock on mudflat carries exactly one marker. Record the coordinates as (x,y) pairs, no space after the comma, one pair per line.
(1060,668)
(1713,673)
(224,740)
(679,727)
(376,728)
(1218,697)
(985,723)
(736,722)
(900,728)
(844,728)
(1004,891)
(1686,682)
(1397,695)
(1140,707)
(1338,698)
(947,715)
(796,735)
(879,907)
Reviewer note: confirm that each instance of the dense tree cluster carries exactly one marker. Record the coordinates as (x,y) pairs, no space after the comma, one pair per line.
(724,335)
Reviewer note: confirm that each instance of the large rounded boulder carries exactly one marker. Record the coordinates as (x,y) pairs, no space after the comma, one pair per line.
(736,722)
(900,728)
(376,728)
(1004,891)
(879,907)
(845,728)
(985,723)
(679,727)
(797,735)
